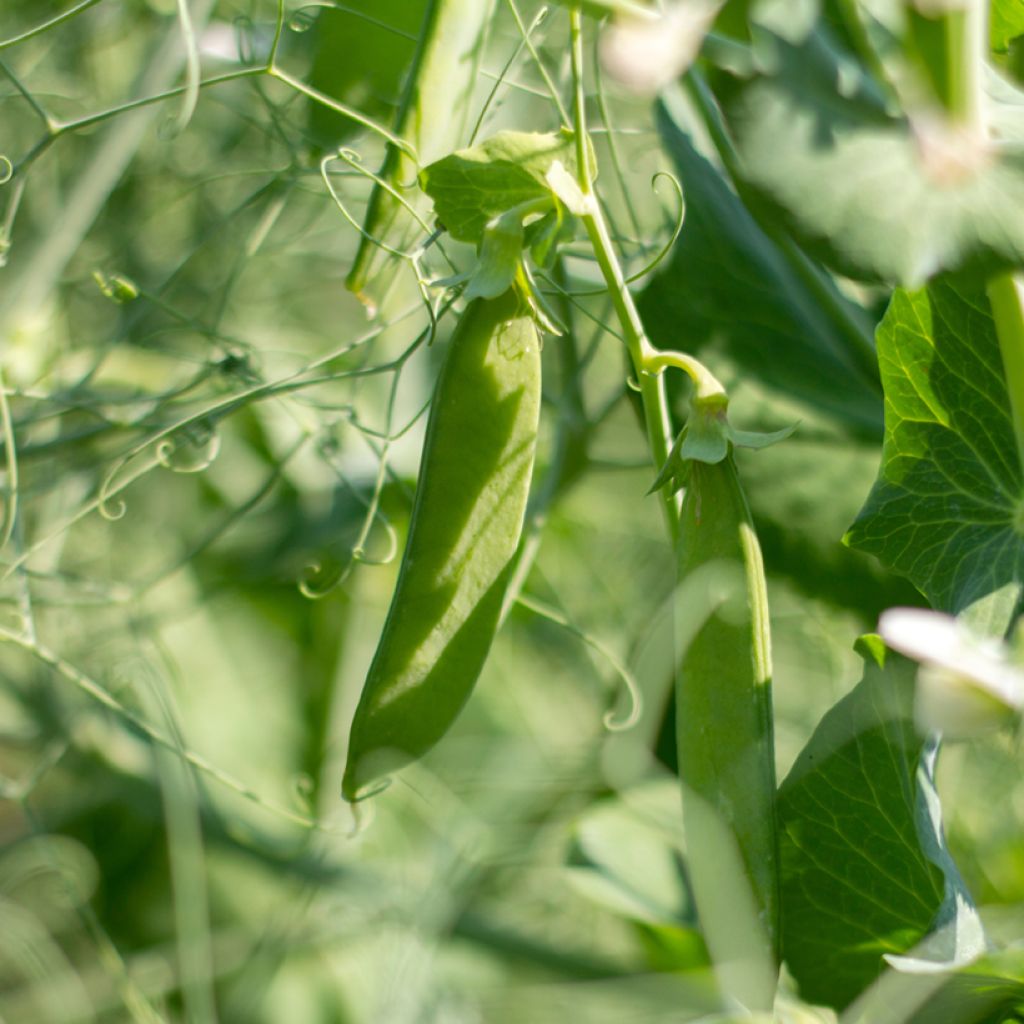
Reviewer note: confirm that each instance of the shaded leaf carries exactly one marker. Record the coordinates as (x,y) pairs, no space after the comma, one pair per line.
(727,282)
(361,55)
(860,840)
(982,992)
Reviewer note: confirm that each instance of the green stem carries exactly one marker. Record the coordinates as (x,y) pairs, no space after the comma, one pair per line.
(1005,290)
(647,363)
(951,46)
(1006,294)
(967,48)
(708,389)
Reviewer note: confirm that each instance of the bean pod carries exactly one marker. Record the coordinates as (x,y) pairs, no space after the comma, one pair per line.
(724,736)
(466,522)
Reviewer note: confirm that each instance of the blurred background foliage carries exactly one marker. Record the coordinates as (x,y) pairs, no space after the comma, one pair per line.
(202,430)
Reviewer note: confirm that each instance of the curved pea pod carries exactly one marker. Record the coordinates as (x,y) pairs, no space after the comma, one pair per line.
(466,521)
(724,735)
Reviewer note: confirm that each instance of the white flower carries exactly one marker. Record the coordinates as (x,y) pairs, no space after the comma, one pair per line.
(645,54)
(966,685)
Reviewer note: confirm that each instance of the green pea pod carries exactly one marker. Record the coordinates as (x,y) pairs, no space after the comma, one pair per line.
(466,521)
(724,736)
(433,116)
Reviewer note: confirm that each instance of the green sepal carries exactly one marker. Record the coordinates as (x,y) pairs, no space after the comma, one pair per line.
(758,439)
(708,437)
(498,258)
(543,237)
(529,294)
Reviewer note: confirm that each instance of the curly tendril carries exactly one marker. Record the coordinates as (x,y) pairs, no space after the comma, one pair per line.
(202,439)
(635,708)
(108,505)
(665,249)
(243,29)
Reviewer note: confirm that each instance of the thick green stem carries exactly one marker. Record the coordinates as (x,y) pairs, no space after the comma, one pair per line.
(652,388)
(1006,290)
(1006,294)
(951,46)
(969,65)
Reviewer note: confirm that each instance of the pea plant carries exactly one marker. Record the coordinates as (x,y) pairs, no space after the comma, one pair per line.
(424,424)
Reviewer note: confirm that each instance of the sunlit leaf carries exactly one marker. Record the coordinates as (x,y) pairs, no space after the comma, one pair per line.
(474,185)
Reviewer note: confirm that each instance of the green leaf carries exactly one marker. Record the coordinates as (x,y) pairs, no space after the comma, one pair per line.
(779,318)
(1005,23)
(826,476)
(947,509)
(498,260)
(864,867)
(627,855)
(544,236)
(472,186)
(878,197)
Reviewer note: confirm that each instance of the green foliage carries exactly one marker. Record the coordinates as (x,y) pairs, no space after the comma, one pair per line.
(906,199)
(946,508)
(214,485)
(857,882)
(377,40)
(627,853)
(507,171)
(728,283)
(432,118)
(1006,23)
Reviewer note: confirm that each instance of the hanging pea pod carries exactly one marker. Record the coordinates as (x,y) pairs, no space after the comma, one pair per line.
(466,522)
(724,731)
(433,118)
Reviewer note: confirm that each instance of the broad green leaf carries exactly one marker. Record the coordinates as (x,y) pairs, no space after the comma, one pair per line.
(1005,23)
(472,186)
(879,197)
(947,509)
(799,525)
(864,868)
(779,318)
